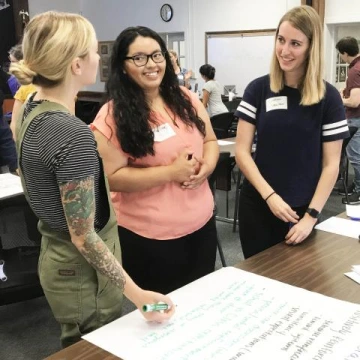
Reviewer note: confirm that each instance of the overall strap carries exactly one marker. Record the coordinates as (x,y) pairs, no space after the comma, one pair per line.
(22,124)
(21,127)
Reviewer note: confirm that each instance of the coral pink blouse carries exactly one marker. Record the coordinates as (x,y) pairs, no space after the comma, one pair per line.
(166,211)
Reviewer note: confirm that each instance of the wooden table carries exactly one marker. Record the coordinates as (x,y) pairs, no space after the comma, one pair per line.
(318,265)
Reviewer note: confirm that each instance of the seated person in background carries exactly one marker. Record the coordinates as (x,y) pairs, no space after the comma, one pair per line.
(7,146)
(182,74)
(15,55)
(212,91)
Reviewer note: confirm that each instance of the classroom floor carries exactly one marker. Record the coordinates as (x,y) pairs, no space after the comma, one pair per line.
(29,331)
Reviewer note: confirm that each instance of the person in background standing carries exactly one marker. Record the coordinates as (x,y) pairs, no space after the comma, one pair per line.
(182,74)
(300,123)
(7,146)
(212,91)
(349,52)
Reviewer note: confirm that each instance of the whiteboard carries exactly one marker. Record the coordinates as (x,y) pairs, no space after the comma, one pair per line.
(240,58)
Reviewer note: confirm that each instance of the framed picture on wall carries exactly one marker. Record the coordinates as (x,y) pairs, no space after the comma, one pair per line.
(105,48)
(342,73)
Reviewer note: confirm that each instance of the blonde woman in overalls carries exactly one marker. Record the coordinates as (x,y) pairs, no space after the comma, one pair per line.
(64,182)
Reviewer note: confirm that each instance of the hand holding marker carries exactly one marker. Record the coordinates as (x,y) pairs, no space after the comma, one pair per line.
(156,307)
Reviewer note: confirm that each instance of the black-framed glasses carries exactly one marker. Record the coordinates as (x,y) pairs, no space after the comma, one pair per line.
(142,59)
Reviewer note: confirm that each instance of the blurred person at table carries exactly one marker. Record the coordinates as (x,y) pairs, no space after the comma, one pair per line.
(8,156)
(63,179)
(212,91)
(349,53)
(158,149)
(300,124)
(182,74)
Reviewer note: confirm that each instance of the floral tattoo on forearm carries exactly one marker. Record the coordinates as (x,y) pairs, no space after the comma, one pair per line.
(79,206)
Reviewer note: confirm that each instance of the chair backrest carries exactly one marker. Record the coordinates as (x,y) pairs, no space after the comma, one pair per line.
(220,169)
(232,105)
(221,124)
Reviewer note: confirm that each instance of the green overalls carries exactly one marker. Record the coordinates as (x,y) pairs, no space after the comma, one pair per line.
(81,299)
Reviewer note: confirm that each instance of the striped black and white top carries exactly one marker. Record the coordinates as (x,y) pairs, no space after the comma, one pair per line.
(290,136)
(59,147)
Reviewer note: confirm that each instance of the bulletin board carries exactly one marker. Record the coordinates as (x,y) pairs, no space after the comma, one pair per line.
(239,56)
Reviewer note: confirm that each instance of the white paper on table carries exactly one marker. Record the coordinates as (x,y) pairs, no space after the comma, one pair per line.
(10,185)
(224,142)
(356,268)
(353,276)
(340,226)
(233,314)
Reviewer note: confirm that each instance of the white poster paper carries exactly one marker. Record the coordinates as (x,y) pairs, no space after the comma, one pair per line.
(232,314)
(10,185)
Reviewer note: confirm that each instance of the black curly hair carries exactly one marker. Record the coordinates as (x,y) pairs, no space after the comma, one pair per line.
(130,109)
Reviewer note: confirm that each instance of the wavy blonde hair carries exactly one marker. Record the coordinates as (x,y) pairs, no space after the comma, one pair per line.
(51,41)
(312,87)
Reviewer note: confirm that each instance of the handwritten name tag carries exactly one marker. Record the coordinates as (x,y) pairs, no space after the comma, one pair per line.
(163,132)
(276,103)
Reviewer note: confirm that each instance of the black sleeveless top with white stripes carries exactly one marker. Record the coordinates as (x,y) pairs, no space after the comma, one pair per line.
(58,147)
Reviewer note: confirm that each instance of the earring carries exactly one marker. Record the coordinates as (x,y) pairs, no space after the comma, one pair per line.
(124,72)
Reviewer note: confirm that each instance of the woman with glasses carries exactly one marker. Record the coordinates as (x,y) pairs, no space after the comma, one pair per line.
(158,148)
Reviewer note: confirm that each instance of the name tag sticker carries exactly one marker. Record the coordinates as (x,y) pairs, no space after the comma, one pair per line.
(277,103)
(163,132)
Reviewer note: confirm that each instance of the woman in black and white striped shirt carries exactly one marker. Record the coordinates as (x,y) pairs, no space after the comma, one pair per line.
(64,181)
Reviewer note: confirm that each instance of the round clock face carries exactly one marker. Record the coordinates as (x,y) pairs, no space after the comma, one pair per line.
(166,12)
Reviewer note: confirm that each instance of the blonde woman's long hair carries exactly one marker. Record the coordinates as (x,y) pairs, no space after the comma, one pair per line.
(51,41)
(312,87)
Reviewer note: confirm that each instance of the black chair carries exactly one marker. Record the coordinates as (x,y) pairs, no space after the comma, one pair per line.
(233,104)
(344,162)
(221,124)
(19,251)
(223,162)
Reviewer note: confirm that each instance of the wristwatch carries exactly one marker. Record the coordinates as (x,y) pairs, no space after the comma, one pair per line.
(313,213)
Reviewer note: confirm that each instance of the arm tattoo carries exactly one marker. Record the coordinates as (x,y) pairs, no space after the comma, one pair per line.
(79,206)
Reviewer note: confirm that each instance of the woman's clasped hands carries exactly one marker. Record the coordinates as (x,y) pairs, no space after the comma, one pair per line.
(189,171)
(300,228)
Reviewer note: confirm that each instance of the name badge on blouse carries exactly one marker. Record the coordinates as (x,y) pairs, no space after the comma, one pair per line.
(163,132)
(277,103)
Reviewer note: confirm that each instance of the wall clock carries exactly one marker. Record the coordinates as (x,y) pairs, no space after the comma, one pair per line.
(166,12)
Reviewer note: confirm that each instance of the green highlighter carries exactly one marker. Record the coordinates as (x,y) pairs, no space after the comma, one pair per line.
(156,307)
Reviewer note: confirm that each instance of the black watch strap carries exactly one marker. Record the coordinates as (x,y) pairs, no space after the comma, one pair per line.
(313,213)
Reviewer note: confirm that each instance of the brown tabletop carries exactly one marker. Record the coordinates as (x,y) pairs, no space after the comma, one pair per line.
(318,265)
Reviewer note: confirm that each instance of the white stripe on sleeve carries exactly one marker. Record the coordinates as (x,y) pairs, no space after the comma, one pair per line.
(335,125)
(335,131)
